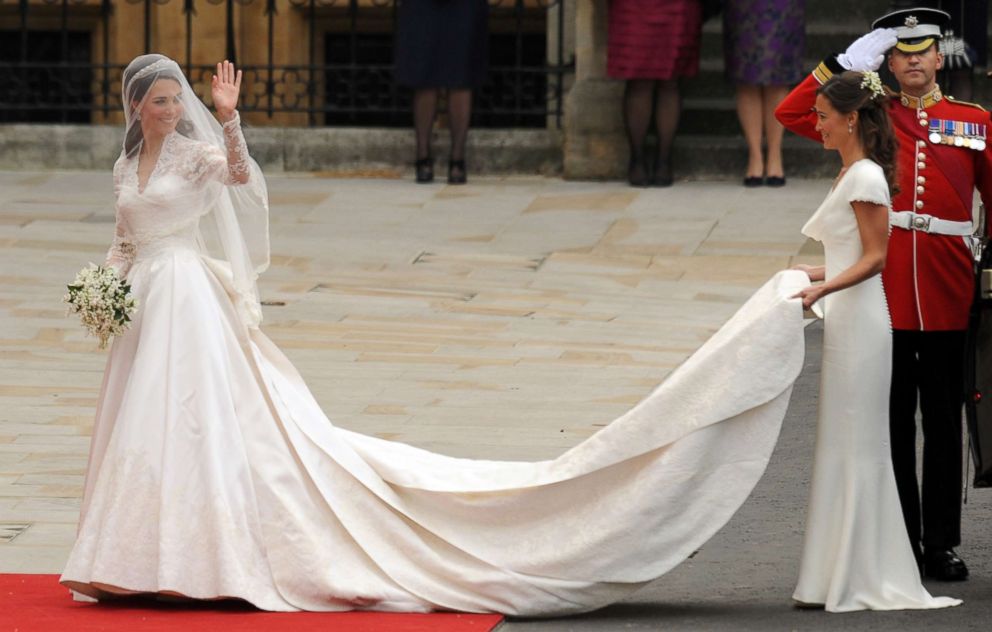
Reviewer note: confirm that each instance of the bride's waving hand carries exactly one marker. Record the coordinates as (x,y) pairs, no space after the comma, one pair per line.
(225,88)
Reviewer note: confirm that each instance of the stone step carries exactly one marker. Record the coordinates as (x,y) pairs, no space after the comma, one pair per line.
(725,158)
(389,153)
(709,117)
(717,115)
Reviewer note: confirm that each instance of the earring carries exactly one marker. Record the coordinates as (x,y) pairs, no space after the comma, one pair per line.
(137,116)
(850,128)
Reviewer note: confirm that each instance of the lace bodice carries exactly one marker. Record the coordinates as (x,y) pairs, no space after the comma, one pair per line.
(182,187)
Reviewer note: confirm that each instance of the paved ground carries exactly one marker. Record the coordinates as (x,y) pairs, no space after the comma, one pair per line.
(509,318)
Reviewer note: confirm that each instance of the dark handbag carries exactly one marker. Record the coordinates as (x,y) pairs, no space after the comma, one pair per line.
(978,372)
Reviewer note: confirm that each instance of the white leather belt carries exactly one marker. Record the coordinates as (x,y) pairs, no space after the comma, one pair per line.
(929,224)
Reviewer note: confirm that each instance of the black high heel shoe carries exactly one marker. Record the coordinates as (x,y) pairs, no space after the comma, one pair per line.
(662,176)
(657,169)
(456,172)
(425,169)
(661,171)
(637,171)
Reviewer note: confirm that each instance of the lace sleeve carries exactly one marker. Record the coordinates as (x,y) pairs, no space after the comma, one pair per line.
(121,252)
(230,165)
(237,151)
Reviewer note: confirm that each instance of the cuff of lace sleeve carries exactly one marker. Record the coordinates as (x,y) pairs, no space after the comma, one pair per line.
(121,256)
(127,250)
(234,123)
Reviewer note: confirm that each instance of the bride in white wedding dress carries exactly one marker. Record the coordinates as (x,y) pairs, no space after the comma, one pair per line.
(213,473)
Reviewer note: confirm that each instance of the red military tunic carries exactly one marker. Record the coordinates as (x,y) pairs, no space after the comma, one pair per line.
(928,278)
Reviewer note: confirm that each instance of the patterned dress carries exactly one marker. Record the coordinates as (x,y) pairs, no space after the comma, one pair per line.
(763,41)
(654,40)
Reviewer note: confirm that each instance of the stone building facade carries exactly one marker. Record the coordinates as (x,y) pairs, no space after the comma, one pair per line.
(286,48)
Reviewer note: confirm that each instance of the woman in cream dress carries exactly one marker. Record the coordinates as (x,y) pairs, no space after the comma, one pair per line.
(856,553)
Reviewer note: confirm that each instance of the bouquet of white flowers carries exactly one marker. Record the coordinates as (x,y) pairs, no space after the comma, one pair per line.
(103,301)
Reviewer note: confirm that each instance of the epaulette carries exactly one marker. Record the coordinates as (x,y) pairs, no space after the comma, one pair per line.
(968,103)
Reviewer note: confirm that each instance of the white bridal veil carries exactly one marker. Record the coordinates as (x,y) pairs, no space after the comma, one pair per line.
(234,238)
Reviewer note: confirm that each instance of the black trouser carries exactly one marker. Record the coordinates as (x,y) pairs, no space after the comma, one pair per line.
(930,363)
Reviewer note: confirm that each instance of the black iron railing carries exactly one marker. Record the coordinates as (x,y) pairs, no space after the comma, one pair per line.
(62,60)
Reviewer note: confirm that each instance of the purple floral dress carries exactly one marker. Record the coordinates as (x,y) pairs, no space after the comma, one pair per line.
(764,41)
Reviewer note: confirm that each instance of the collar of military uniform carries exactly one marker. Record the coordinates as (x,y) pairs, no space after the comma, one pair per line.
(927,100)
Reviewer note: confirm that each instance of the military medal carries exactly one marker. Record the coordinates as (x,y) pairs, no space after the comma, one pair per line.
(977,134)
(957,134)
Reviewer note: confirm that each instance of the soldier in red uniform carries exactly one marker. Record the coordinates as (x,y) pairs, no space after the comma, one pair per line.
(944,155)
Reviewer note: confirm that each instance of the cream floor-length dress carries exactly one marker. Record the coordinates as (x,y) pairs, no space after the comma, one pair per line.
(856,552)
(214,473)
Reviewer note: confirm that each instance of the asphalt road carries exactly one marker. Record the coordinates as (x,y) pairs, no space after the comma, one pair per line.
(743,578)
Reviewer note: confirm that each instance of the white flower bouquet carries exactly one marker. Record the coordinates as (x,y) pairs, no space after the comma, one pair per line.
(103,301)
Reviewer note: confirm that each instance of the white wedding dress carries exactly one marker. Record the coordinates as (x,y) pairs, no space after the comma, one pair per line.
(214,473)
(856,553)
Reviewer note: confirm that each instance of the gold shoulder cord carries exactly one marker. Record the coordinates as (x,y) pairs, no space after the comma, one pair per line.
(968,103)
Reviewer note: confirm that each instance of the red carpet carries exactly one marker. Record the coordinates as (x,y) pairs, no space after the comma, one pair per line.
(37,603)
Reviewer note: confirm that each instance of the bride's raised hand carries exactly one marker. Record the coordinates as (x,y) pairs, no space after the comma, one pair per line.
(224,89)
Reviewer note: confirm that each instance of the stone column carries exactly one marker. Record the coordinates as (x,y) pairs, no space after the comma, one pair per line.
(594,146)
(561,13)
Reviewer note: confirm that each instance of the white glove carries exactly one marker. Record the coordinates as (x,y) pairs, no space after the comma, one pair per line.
(868,51)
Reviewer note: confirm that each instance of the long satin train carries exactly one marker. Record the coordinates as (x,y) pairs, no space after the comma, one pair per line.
(222,477)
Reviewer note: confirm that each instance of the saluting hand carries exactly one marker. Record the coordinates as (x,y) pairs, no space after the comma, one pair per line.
(868,51)
(224,89)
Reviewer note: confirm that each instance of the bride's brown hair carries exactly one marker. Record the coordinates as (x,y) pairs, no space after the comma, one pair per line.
(875,131)
(137,89)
